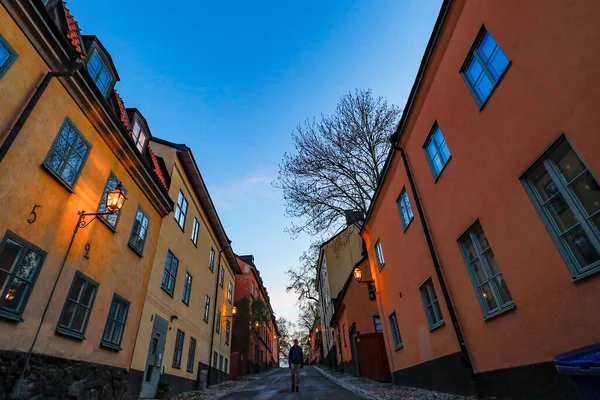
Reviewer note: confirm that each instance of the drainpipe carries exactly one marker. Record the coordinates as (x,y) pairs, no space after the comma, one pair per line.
(39,91)
(438,269)
(212,334)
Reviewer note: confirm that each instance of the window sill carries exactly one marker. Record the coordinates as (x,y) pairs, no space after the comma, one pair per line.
(380,267)
(58,178)
(409,222)
(187,304)
(436,326)
(196,245)
(399,347)
(166,291)
(136,251)
(109,226)
(500,312)
(206,321)
(442,170)
(176,367)
(189,370)
(70,333)
(180,227)
(586,274)
(10,316)
(494,88)
(110,346)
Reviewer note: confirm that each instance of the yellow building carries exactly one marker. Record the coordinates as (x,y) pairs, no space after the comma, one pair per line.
(185,330)
(73,298)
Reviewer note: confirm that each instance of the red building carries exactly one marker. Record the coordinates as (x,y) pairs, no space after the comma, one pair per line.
(315,343)
(254,346)
(483,235)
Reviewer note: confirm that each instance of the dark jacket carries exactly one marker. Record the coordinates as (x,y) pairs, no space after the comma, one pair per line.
(295,356)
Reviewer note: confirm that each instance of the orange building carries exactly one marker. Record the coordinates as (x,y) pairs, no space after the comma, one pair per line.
(483,236)
(315,343)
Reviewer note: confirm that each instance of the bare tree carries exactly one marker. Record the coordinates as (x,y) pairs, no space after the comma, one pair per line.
(303,278)
(286,329)
(337,162)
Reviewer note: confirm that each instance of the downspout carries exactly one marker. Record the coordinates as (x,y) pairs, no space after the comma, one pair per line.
(37,95)
(438,269)
(212,334)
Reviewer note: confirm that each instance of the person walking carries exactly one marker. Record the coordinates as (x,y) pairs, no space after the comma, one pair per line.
(295,361)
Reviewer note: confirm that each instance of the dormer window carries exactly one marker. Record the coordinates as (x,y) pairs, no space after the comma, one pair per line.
(99,72)
(139,136)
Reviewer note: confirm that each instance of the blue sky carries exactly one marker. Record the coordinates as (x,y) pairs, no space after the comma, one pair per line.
(232,79)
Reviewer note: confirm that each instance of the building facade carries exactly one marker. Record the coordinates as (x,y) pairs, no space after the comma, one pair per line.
(184,333)
(483,236)
(315,343)
(255,345)
(72,282)
(337,257)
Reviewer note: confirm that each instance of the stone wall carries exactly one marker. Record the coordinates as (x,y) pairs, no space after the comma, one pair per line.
(51,378)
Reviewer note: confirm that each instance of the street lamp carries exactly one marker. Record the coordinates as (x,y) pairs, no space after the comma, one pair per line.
(114,202)
(233,311)
(357,274)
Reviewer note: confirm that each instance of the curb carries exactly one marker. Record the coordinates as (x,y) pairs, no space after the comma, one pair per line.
(271,372)
(352,389)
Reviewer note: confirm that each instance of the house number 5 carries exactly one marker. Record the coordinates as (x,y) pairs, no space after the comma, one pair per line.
(33,215)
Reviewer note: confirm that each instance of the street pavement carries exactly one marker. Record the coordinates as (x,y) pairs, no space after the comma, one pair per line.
(278,385)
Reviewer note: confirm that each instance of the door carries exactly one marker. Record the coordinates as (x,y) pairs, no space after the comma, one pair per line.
(354,348)
(155,357)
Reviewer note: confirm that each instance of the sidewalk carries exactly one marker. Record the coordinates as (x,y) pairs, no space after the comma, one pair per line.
(222,389)
(383,391)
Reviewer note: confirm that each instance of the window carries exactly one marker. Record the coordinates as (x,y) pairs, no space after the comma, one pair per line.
(187,288)
(20,264)
(344,335)
(436,151)
(377,322)
(206,308)
(181,210)
(111,219)
(7,56)
(211,260)
(178,349)
(115,323)
(67,156)
(379,255)
(221,275)
(170,274)
(218,323)
(139,137)
(137,238)
(78,306)
(226,369)
(252,290)
(221,362)
(99,72)
(371,286)
(195,230)
(432,306)
(227,331)
(406,213)
(484,66)
(567,196)
(215,358)
(395,331)
(488,281)
(191,355)
(230,292)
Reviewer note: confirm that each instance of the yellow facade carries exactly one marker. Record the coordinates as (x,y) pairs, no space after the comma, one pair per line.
(341,254)
(195,260)
(25,183)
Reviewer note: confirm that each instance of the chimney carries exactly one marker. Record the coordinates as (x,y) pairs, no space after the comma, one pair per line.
(353,217)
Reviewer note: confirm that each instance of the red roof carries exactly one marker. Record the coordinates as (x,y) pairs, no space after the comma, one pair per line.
(73,33)
(156,168)
(123,114)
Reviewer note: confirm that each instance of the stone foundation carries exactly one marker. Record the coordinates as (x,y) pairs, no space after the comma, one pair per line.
(51,378)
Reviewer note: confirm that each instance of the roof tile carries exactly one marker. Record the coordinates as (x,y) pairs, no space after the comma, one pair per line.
(73,32)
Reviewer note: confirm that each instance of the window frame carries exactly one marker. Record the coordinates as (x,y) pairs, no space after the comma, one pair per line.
(399,203)
(191,355)
(46,163)
(344,335)
(136,139)
(424,290)
(218,322)
(195,231)
(502,308)
(178,349)
(111,344)
(375,318)
(104,218)
(473,53)
(94,79)
(178,210)
(230,292)
(221,275)
(395,328)
(187,288)
(379,254)
(574,204)
(428,140)
(206,315)
(11,59)
(162,284)
(65,330)
(372,290)
(211,260)
(26,245)
(132,246)
(227,330)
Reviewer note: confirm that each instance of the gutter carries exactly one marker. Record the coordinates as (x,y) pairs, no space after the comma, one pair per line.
(438,270)
(37,95)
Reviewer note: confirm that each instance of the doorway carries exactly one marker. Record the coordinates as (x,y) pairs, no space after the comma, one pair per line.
(154,359)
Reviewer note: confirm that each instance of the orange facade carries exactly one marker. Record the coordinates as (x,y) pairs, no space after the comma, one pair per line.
(548,302)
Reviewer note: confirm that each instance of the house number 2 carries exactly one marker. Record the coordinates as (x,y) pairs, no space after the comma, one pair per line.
(87,251)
